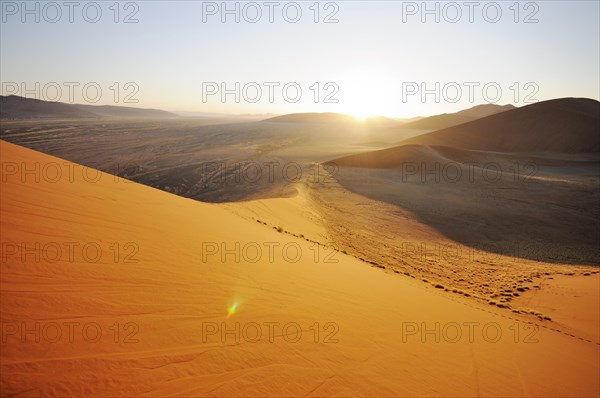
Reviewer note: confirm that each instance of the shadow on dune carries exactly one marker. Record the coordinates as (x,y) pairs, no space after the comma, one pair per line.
(524,182)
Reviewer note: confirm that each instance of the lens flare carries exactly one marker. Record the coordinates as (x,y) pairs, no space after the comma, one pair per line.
(232,310)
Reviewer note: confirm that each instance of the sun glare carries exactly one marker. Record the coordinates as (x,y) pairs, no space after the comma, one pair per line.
(361,117)
(365,95)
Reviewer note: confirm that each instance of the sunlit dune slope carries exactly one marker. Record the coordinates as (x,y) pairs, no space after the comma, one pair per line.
(164,294)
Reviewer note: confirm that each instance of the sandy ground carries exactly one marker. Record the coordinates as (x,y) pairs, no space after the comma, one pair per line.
(573,301)
(160,312)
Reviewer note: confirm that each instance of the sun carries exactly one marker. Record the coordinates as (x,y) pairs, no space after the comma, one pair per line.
(361,116)
(366,94)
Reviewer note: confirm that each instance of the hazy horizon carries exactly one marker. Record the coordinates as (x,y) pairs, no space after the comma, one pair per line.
(377,59)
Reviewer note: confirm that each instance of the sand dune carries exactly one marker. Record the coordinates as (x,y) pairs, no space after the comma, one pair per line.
(425,157)
(437,122)
(536,167)
(388,158)
(372,339)
(567,125)
(484,110)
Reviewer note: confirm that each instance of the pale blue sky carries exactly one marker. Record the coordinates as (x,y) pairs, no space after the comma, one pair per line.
(370,54)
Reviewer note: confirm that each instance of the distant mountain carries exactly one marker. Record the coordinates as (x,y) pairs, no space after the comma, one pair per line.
(335,118)
(452,119)
(15,107)
(215,115)
(111,111)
